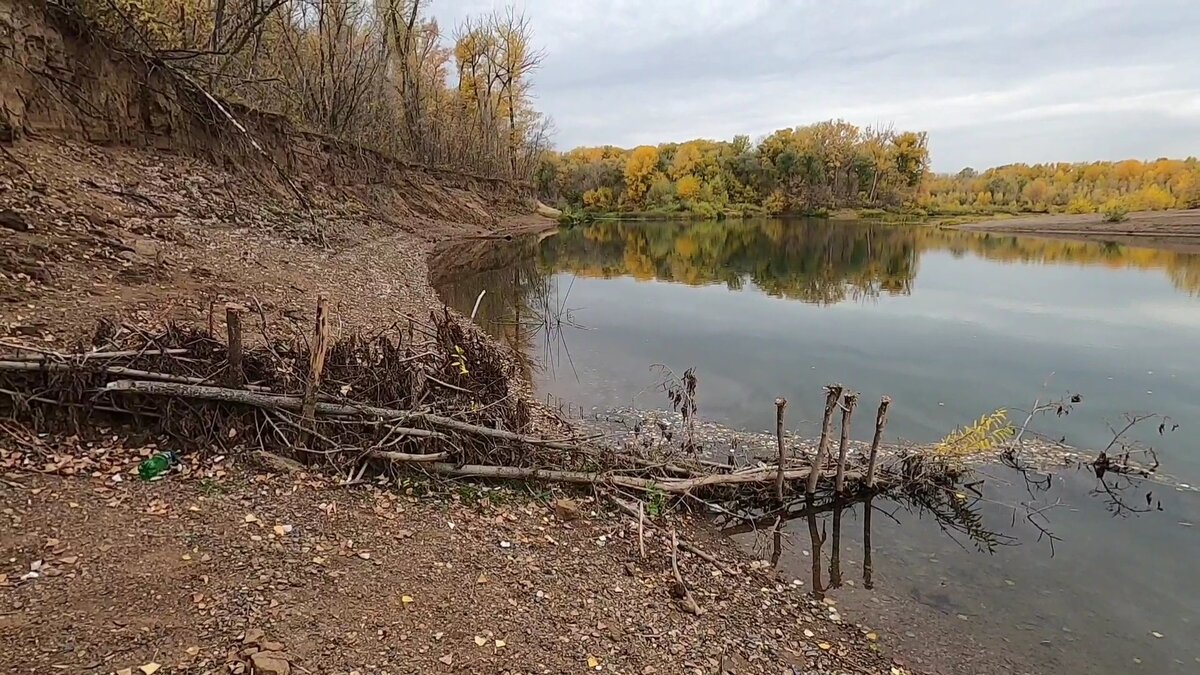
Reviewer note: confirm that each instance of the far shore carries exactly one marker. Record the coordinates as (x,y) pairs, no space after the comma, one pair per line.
(1171,230)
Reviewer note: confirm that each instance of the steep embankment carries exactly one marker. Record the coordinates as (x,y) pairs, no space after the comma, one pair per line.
(123,189)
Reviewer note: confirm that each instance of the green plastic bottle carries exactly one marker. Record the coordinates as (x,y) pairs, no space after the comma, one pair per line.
(157,465)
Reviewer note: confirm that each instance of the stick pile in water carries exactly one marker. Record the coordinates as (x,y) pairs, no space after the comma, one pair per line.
(430,393)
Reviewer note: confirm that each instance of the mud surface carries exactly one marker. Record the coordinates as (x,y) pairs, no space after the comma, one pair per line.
(1170,230)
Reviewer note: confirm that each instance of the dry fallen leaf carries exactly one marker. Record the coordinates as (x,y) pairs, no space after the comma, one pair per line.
(406,599)
(501,643)
(825,646)
(250,518)
(872,637)
(480,640)
(593,662)
(149,668)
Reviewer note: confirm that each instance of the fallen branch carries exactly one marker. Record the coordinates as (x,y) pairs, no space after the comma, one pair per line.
(407,457)
(42,355)
(668,485)
(679,590)
(293,403)
(683,544)
(34,366)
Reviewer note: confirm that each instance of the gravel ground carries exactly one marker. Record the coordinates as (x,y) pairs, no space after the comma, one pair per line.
(101,572)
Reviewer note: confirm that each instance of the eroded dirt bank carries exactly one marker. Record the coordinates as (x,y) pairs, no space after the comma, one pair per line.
(1170,230)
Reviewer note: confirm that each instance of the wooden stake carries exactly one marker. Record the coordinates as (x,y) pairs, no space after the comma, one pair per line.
(835,550)
(641,529)
(833,392)
(316,365)
(776,541)
(683,596)
(880,421)
(848,403)
(780,404)
(233,331)
(868,566)
(817,540)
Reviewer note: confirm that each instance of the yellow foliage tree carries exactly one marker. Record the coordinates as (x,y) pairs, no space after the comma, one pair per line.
(639,173)
(599,198)
(688,188)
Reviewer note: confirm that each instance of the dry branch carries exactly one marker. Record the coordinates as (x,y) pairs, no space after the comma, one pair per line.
(832,393)
(848,403)
(668,485)
(683,544)
(780,404)
(292,403)
(407,457)
(233,328)
(880,421)
(121,371)
(78,358)
(316,364)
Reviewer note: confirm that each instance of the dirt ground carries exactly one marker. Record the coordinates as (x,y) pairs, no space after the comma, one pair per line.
(101,572)
(1170,230)
(89,232)
(229,568)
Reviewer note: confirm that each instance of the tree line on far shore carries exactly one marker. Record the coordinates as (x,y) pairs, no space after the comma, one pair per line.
(1128,185)
(800,170)
(836,165)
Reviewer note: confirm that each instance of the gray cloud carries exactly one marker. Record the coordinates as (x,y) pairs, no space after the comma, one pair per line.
(992,81)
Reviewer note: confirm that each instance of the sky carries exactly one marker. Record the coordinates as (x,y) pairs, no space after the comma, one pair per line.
(992,81)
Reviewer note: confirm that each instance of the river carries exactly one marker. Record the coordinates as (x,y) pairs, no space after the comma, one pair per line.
(951,325)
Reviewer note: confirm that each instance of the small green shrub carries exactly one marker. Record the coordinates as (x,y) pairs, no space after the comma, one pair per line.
(1115,213)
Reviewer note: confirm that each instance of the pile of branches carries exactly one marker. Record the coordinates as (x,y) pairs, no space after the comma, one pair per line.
(432,389)
(431,394)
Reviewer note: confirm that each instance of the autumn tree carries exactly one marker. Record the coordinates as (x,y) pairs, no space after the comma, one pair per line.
(374,72)
(639,172)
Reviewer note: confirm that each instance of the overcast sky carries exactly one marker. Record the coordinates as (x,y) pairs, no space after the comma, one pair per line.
(992,81)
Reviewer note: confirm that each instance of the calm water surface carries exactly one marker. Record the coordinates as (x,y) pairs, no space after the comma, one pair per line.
(951,325)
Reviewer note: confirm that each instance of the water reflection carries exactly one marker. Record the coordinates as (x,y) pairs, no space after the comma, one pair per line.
(818,261)
(950,325)
(814,261)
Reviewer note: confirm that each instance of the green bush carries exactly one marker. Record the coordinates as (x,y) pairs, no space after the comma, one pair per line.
(703,210)
(1115,213)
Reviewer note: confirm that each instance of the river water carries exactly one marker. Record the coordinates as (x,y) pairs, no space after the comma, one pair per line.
(951,325)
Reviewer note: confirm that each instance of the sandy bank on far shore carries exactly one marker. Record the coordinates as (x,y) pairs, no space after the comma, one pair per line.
(1171,230)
